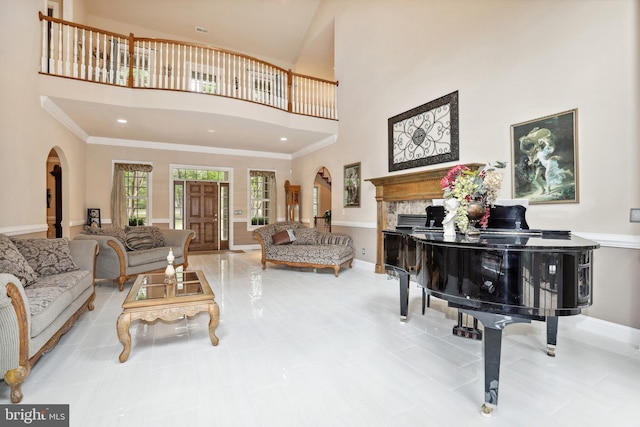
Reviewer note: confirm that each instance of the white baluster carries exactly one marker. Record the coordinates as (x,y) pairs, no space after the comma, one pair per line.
(43,47)
(83,55)
(52,48)
(113,53)
(153,69)
(177,66)
(173,66)
(105,58)
(90,56)
(59,49)
(75,52)
(162,70)
(335,102)
(209,74)
(234,88)
(97,56)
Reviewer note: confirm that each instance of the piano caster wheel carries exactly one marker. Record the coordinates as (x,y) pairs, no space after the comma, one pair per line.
(403,318)
(486,410)
(551,350)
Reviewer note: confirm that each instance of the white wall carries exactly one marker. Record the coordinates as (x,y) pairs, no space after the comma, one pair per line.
(511,61)
(28,133)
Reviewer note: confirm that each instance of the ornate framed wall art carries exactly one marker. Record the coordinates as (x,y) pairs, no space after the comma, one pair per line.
(544,154)
(425,135)
(352,185)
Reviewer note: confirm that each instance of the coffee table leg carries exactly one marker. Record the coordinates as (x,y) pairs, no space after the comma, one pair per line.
(214,318)
(124,336)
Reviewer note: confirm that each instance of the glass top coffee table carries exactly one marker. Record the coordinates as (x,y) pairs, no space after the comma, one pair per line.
(153,297)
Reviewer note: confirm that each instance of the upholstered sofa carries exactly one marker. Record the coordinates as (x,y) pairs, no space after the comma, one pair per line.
(291,243)
(127,252)
(45,285)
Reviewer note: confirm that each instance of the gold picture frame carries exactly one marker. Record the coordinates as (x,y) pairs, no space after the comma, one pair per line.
(352,184)
(544,159)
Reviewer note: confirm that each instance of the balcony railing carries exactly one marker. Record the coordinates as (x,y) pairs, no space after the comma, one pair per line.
(89,54)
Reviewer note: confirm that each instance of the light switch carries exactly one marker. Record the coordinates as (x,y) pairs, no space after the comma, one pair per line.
(635,215)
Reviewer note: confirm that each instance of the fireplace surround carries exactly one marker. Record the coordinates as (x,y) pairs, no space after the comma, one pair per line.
(408,193)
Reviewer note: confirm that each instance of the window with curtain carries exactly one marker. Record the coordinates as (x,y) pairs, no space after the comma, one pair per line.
(135,187)
(130,194)
(262,197)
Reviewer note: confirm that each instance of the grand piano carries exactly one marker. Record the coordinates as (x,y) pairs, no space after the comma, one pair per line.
(499,277)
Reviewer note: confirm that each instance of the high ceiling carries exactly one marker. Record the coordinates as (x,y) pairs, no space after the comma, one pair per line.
(274,30)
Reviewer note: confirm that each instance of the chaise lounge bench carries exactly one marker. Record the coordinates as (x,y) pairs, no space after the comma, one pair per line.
(291,243)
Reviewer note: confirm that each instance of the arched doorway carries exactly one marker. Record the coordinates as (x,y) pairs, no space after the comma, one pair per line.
(322,199)
(54,195)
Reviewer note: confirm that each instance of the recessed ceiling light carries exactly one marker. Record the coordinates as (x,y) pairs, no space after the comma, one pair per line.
(122,121)
(283,139)
(211,130)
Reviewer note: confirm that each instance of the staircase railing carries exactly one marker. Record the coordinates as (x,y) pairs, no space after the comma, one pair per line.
(90,54)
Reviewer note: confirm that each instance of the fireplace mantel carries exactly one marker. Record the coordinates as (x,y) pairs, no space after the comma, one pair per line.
(422,185)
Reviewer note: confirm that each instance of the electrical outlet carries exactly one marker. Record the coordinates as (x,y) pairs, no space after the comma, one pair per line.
(362,251)
(634,216)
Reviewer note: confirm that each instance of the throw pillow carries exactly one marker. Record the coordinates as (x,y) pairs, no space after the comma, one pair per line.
(12,262)
(143,237)
(116,232)
(305,236)
(47,257)
(281,238)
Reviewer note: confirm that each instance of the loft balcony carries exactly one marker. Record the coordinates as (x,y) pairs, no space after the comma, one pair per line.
(179,93)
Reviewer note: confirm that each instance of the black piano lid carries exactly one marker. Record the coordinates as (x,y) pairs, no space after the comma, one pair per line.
(509,239)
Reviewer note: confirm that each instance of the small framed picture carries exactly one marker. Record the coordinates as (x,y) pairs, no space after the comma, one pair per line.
(545,159)
(352,185)
(93,218)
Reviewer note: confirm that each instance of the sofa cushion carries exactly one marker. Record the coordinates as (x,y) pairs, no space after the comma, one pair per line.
(71,277)
(333,239)
(140,238)
(283,237)
(116,232)
(12,262)
(149,256)
(47,256)
(50,296)
(305,236)
(310,254)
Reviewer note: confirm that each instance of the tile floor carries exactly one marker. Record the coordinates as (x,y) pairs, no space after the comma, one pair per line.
(303,348)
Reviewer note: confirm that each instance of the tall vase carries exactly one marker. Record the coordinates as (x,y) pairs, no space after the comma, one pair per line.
(475,212)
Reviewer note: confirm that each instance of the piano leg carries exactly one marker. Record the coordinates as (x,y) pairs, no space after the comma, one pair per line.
(492,348)
(552,335)
(426,299)
(404,294)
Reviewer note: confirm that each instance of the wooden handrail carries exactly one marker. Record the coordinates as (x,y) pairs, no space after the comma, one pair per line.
(79,26)
(87,53)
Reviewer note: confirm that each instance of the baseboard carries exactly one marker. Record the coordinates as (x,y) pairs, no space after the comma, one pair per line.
(597,326)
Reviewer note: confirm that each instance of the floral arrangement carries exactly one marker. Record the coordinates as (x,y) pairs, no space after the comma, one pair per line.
(466,186)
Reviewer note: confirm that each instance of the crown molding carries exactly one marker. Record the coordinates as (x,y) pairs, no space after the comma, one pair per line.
(50,107)
(154,145)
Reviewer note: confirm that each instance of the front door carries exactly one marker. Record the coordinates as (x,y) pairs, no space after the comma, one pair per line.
(202,214)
